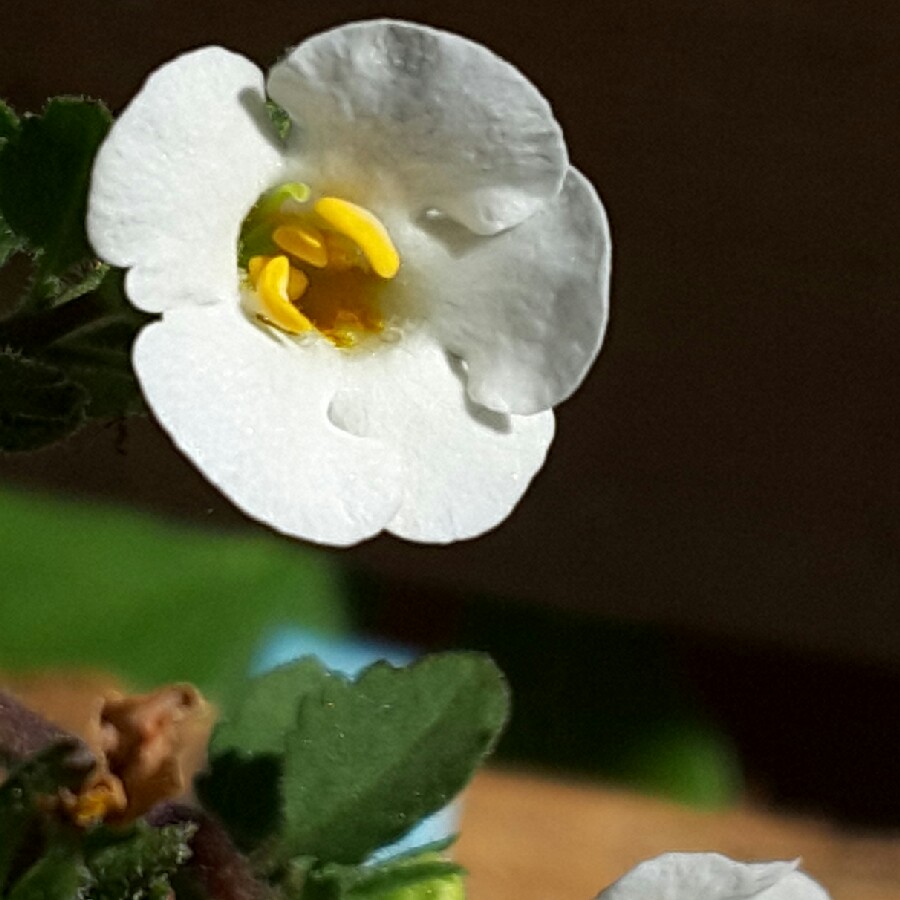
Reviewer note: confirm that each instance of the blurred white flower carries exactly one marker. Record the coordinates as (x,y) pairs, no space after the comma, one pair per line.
(710,876)
(366,326)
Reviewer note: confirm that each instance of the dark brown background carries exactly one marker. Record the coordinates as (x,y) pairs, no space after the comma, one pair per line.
(730,466)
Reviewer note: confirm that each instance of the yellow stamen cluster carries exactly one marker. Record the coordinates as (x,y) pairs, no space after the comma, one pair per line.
(322,268)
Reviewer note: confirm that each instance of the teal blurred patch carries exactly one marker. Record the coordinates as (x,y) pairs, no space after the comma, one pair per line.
(99,586)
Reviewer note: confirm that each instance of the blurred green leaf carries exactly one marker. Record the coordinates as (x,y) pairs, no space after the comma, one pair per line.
(45,171)
(610,701)
(62,765)
(58,875)
(370,758)
(686,759)
(39,404)
(98,586)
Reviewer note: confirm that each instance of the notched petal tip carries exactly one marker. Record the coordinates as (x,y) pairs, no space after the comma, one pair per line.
(252,414)
(175,176)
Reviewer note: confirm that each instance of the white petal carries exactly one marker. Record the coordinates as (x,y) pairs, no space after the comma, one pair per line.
(251,411)
(710,876)
(459,129)
(464,467)
(526,309)
(176,176)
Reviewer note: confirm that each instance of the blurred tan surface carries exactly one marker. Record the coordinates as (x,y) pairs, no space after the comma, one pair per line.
(531,838)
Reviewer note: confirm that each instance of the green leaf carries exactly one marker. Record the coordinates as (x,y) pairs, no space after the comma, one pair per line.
(94,350)
(107,379)
(425,875)
(39,404)
(9,243)
(86,332)
(80,278)
(99,359)
(247,748)
(370,758)
(137,865)
(245,795)
(88,599)
(9,126)
(64,764)
(58,875)
(9,122)
(45,173)
(268,709)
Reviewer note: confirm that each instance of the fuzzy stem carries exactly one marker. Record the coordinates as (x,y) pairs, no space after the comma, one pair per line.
(40,329)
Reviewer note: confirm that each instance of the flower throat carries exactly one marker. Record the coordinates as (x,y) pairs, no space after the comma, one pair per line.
(316,267)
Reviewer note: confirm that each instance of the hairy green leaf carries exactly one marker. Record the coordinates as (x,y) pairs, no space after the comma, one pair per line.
(9,126)
(269,709)
(370,758)
(78,279)
(93,346)
(246,751)
(39,404)
(45,173)
(9,243)
(99,359)
(137,864)
(9,122)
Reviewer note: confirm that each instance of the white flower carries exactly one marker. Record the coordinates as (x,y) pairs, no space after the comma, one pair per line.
(432,221)
(709,876)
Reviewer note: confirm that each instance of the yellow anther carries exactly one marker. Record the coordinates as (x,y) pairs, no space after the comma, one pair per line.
(255,266)
(272,288)
(297,284)
(303,241)
(365,230)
